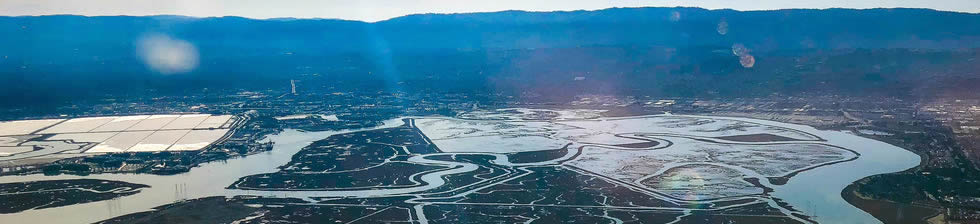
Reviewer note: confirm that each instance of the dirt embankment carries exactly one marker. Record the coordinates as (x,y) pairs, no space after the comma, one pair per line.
(888,211)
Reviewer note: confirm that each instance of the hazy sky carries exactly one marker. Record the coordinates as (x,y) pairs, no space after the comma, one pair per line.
(374,10)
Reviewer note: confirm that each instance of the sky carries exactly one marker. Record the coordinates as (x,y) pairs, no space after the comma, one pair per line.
(375,10)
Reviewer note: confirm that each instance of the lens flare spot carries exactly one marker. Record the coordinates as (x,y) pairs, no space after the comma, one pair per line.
(167,55)
(722,27)
(675,16)
(746,60)
(739,50)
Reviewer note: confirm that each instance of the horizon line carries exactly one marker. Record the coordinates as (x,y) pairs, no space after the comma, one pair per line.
(490,12)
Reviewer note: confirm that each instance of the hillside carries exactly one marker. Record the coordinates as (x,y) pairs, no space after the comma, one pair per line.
(667,51)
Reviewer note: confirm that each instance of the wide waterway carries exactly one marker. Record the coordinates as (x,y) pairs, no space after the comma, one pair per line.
(209,179)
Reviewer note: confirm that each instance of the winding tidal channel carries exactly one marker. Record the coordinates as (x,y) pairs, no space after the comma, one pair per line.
(815,192)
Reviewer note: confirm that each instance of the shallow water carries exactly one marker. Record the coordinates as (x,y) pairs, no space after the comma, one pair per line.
(210,179)
(817,192)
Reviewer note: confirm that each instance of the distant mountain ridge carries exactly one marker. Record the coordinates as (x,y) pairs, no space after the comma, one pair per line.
(64,56)
(759,30)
